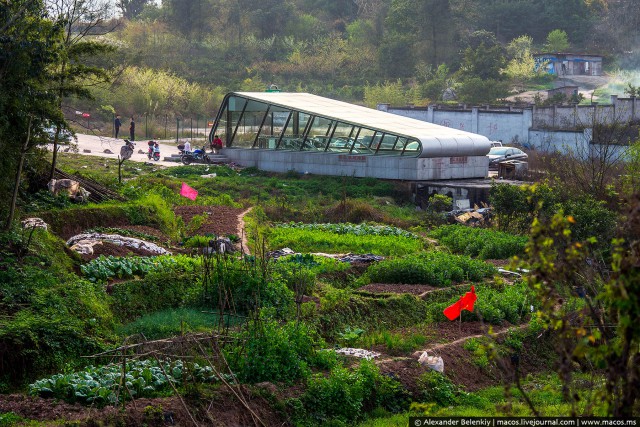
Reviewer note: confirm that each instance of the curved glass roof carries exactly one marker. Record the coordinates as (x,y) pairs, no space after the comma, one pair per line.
(306,122)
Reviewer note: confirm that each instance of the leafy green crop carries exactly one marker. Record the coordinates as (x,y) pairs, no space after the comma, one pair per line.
(310,240)
(479,242)
(102,385)
(355,229)
(109,267)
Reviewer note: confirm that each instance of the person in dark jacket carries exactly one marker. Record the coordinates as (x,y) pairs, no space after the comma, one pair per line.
(132,129)
(117,123)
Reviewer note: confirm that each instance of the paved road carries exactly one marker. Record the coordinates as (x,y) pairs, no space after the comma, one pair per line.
(98,144)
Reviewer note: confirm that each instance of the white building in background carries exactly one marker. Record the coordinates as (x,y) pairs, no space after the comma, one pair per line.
(280,132)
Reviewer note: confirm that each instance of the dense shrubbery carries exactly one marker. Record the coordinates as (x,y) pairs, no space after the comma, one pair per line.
(436,387)
(430,268)
(301,240)
(50,316)
(516,207)
(101,386)
(479,242)
(316,264)
(275,352)
(250,286)
(494,305)
(347,395)
(156,291)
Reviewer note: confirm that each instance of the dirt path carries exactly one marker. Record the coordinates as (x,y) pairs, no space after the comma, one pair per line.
(468,337)
(242,232)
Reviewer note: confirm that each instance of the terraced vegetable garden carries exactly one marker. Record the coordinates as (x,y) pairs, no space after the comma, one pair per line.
(235,335)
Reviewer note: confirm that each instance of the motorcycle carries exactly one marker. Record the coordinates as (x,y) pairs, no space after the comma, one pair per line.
(127,149)
(154,151)
(198,155)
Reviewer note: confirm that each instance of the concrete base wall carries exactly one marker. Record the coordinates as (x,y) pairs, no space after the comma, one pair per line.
(385,167)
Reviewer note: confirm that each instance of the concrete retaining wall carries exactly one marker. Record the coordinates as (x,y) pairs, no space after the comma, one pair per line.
(529,126)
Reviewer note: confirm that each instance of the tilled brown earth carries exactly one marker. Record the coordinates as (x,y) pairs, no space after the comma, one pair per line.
(222,409)
(220,220)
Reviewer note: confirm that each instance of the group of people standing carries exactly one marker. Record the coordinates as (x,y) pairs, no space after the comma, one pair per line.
(132,127)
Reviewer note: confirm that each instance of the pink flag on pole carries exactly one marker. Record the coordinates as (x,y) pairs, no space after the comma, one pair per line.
(188,192)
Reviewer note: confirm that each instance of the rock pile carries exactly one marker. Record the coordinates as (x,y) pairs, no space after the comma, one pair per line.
(34,223)
(360,353)
(84,243)
(365,258)
(350,258)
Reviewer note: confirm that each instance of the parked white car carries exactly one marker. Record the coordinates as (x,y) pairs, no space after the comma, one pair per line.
(499,154)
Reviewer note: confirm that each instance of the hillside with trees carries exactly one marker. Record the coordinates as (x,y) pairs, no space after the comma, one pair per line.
(181,57)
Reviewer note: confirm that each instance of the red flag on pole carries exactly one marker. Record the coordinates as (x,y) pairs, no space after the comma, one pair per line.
(188,192)
(464,303)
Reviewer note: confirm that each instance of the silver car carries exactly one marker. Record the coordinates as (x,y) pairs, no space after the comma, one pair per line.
(499,154)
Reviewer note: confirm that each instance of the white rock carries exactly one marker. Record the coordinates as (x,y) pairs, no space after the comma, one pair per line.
(116,239)
(35,223)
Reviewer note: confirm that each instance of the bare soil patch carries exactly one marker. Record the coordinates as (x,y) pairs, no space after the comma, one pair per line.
(221,220)
(459,367)
(405,370)
(222,409)
(451,331)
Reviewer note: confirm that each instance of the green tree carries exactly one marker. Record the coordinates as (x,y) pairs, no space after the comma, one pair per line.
(81,21)
(521,65)
(190,17)
(426,26)
(267,17)
(389,92)
(435,81)
(557,41)
(483,58)
(30,47)
(131,9)
(592,314)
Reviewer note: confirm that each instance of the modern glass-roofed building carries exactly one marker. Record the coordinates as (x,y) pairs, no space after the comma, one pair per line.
(282,131)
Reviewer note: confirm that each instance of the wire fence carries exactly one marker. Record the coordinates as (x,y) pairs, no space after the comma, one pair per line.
(147,126)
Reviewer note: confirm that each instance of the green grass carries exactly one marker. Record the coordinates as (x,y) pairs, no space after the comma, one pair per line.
(543,390)
(167,323)
(395,343)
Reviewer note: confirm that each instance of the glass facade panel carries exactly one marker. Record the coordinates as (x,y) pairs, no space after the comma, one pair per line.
(365,139)
(266,139)
(247,123)
(411,148)
(399,145)
(340,138)
(220,127)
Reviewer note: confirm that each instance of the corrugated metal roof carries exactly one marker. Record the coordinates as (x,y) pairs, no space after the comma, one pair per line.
(436,140)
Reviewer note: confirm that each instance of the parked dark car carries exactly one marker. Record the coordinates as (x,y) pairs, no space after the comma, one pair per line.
(499,154)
